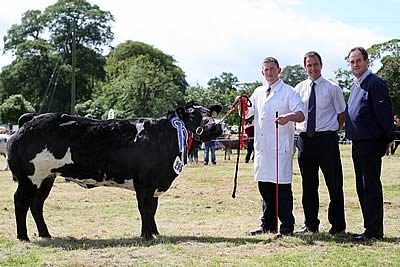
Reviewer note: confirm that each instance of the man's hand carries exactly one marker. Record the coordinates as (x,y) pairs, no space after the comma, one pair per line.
(293,116)
(282,119)
(237,102)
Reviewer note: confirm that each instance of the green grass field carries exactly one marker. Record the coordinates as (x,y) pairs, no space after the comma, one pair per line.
(200,224)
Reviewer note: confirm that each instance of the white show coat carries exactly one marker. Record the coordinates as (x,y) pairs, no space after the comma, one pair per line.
(283,99)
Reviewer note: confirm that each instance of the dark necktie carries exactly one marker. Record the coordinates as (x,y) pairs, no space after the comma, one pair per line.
(311,112)
(268,91)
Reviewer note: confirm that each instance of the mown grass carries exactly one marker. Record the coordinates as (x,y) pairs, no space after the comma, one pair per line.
(200,224)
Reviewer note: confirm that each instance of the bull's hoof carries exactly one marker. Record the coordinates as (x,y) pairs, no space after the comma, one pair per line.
(155,231)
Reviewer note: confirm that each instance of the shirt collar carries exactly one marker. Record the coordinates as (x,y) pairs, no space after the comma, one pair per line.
(275,85)
(362,78)
(317,81)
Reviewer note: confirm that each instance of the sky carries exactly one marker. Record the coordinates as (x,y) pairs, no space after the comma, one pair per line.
(210,37)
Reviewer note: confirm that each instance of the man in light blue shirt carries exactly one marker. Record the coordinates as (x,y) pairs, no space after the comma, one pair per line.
(318,146)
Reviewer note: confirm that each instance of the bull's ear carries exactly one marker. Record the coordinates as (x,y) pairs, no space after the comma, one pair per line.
(215,108)
(180,111)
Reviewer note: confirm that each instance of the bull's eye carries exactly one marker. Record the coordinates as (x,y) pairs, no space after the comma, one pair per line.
(190,110)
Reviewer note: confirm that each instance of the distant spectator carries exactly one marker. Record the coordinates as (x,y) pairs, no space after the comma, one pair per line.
(194,155)
(227,129)
(397,134)
(250,141)
(207,147)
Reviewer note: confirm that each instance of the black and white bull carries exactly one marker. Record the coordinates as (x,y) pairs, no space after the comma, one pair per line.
(144,155)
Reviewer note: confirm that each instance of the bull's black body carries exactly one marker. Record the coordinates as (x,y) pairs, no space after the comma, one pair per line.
(92,153)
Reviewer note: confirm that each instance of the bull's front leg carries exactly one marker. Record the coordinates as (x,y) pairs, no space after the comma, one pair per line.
(154,229)
(147,207)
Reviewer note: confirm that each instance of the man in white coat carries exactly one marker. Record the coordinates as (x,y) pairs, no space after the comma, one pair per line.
(274,96)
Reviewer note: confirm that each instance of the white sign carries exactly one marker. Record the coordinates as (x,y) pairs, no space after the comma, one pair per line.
(110,115)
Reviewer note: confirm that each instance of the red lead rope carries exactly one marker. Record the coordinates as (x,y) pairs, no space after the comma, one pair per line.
(244,107)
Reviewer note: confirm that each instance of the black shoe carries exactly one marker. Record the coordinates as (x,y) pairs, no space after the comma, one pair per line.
(306,230)
(336,231)
(214,162)
(364,237)
(262,230)
(205,163)
(286,231)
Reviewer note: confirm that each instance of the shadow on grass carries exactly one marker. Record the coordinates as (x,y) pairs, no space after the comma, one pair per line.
(72,243)
(311,239)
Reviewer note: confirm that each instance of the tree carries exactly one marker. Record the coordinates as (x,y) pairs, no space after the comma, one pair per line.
(142,81)
(200,95)
(13,108)
(226,82)
(223,90)
(248,88)
(293,74)
(345,81)
(388,53)
(42,45)
(390,72)
(91,107)
(378,51)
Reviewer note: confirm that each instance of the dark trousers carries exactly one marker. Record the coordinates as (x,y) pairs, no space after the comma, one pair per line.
(250,149)
(321,152)
(285,205)
(367,160)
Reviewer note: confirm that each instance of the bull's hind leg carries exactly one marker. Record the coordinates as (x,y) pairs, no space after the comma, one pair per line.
(22,199)
(37,206)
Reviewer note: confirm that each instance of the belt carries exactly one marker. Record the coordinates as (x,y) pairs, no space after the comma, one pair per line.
(316,134)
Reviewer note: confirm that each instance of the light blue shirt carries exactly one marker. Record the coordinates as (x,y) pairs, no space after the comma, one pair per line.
(329,103)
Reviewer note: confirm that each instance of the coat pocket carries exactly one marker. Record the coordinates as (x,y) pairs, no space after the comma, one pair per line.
(285,146)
